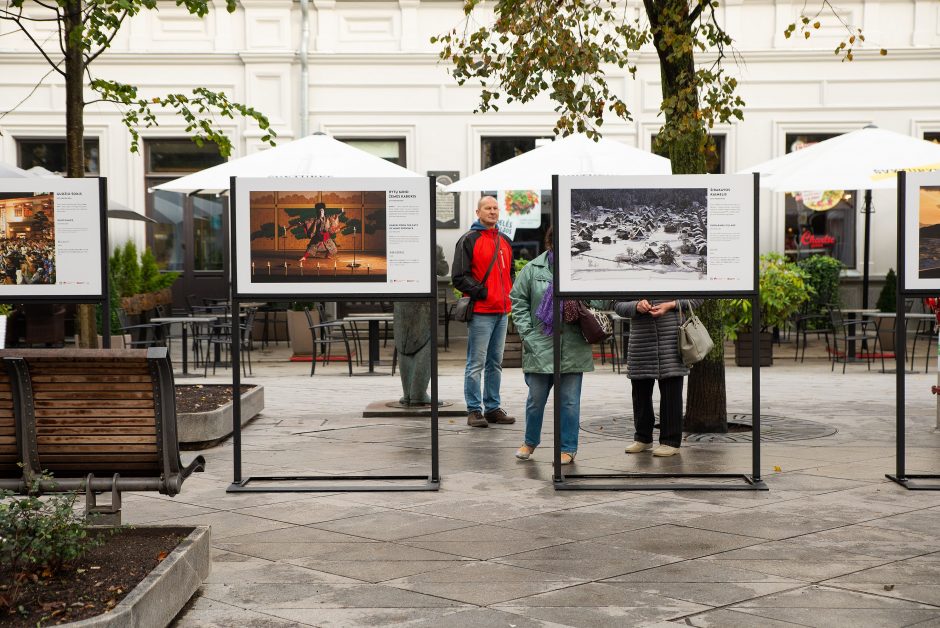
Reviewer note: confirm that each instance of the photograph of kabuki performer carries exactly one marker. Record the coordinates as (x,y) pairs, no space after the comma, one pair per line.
(312,236)
(27,238)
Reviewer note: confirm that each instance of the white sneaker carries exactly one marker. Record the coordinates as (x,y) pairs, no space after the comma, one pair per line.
(638,447)
(665,450)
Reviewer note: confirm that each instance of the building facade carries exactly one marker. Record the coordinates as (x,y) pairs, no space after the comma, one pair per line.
(373,78)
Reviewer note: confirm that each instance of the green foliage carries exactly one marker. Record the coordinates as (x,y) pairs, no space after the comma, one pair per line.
(298,306)
(38,537)
(783,289)
(199,109)
(822,275)
(92,34)
(887,299)
(5,309)
(560,49)
(149,272)
(130,270)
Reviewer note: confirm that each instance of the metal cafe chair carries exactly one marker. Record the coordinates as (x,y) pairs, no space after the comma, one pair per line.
(859,332)
(222,338)
(325,335)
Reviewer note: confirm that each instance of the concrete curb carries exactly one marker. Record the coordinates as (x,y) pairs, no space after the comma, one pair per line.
(198,430)
(163,593)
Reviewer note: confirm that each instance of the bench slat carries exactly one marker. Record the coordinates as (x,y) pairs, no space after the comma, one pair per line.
(86,387)
(98,394)
(93,378)
(92,403)
(100,412)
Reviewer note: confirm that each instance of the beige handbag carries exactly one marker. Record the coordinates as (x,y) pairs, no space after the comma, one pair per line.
(694,341)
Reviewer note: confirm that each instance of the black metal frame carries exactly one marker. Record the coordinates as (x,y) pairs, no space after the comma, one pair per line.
(102,299)
(750,482)
(909,481)
(431,482)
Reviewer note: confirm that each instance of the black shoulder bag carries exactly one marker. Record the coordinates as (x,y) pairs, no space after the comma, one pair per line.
(463,310)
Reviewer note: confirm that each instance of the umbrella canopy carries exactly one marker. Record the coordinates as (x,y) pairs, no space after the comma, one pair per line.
(11,172)
(575,154)
(315,155)
(866,159)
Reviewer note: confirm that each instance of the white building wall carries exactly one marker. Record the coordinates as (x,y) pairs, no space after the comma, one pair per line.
(374,73)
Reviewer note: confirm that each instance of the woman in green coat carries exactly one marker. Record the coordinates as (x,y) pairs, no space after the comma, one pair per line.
(532,314)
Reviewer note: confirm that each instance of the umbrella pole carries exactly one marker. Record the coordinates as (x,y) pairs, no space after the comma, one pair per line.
(867,249)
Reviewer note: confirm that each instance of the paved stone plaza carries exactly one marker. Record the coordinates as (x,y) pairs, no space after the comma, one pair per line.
(831,544)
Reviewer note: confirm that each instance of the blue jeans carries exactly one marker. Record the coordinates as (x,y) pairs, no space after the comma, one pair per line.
(540,385)
(486,336)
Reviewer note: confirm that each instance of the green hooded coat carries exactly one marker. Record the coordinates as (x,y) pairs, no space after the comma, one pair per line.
(537,355)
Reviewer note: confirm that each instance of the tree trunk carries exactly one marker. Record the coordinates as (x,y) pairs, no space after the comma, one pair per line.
(684,143)
(75,136)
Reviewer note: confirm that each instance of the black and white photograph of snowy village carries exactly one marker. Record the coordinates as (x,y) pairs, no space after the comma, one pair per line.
(639,234)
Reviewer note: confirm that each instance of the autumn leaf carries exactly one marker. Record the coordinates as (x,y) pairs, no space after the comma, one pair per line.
(162,555)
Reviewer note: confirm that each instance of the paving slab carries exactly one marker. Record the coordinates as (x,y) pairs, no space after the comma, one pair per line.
(498,546)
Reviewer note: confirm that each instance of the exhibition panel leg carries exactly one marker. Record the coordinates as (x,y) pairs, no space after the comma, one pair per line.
(920,481)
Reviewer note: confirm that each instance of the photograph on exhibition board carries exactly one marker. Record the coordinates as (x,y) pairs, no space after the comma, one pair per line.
(310,236)
(922,233)
(50,238)
(656,234)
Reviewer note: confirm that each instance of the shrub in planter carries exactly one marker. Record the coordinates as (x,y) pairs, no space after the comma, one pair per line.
(38,537)
(887,298)
(136,283)
(822,276)
(783,289)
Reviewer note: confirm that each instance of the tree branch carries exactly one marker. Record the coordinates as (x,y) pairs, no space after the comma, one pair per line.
(107,44)
(36,44)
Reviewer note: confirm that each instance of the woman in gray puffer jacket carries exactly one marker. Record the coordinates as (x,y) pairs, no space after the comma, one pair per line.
(653,354)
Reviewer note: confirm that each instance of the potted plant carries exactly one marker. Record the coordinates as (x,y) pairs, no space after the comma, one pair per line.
(298,330)
(783,289)
(5,310)
(887,302)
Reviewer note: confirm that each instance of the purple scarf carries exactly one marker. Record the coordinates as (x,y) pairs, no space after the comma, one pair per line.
(545,312)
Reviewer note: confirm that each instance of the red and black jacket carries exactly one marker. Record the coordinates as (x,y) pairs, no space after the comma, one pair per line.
(472,257)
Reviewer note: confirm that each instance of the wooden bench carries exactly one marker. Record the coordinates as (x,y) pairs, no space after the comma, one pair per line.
(95,419)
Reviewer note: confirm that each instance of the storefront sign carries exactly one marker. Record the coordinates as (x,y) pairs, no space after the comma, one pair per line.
(816,242)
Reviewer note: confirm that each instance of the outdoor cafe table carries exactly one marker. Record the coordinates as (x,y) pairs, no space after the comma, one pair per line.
(373,320)
(916,316)
(185,320)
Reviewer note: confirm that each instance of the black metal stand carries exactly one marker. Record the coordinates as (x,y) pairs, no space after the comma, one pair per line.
(748,482)
(327,483)
(911,482)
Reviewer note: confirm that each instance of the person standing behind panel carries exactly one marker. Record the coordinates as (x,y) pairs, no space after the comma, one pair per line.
(482,270)
(534,313)
(653,354)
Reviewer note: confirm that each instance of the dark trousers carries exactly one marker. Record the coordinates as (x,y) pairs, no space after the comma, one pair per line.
(670,410)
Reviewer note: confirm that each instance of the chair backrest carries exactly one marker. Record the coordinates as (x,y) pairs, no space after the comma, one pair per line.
(309,316)
(123,319)
(248,325)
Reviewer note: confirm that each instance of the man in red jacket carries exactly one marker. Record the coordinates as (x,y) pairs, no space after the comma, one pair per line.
(483,270)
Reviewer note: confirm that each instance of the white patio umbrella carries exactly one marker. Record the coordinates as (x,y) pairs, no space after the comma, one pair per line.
(11,172)
(314,155)
(575,154)
(867,159)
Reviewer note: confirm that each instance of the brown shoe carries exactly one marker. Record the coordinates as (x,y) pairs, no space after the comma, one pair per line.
(475,419)
(499,416)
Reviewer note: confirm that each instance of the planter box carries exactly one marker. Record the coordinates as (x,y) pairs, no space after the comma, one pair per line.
(162,594)
(299,332)
(512,352)
(742,349)
(198,430)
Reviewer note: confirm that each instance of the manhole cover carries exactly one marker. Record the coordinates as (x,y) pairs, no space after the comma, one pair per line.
(773,429)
